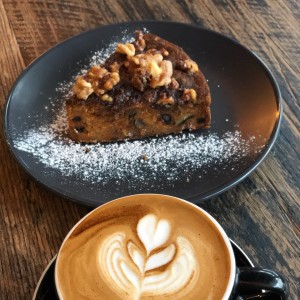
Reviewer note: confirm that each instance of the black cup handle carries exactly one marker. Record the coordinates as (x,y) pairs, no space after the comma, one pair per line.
(251,281)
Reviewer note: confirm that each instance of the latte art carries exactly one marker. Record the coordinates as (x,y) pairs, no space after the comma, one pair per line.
(140,270)
(143,247)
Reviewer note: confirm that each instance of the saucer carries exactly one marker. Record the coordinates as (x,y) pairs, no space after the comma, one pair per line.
(45,289)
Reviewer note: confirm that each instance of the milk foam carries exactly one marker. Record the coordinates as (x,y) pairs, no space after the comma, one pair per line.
(163,267)
(144,247)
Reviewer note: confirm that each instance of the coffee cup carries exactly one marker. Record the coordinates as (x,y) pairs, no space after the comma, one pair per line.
(151,246)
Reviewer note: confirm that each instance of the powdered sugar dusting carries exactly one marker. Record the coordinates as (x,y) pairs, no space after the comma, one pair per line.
(173,156)
(97,58)
(150,158)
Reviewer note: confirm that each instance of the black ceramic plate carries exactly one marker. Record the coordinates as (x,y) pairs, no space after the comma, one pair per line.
(46,287)
(245,97)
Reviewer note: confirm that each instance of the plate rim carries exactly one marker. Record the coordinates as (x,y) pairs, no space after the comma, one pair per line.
(193,198)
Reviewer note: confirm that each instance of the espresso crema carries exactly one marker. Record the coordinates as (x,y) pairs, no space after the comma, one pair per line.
(144,247)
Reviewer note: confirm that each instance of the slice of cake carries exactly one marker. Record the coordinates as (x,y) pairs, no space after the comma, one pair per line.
(146,88)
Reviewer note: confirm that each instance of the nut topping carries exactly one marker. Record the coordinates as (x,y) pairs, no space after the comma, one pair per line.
(82,88)
(113,79)
(115,67)
(144,59)
(189,95)
(165,75)
(158,70)
(98,80)
(165,100)
(107,98)
(191,65)
(147,69)
(187,65)
(95,72)
(127,49)
(174,85)
(165,52)
(139,42)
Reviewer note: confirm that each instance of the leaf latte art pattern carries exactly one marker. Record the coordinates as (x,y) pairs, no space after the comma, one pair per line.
(161,268)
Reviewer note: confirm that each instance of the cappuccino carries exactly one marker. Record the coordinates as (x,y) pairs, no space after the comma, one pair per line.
(144,247)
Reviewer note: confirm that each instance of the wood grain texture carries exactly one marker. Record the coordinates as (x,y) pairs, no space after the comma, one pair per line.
(262,213)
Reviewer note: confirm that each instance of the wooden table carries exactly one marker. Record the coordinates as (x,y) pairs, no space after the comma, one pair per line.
(261,214)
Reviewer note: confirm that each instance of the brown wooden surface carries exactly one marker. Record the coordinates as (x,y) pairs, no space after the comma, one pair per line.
(261,214)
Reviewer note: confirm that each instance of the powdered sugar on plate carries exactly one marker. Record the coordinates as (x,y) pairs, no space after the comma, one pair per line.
(150,158)
(173,156)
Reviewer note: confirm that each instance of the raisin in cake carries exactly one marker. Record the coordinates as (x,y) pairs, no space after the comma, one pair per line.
(146,88)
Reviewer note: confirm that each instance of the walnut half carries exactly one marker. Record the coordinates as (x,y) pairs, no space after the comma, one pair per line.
(112,80)
(98,80)
(82,88)
(164,78)
(127,49)
(152,63)
(189,95)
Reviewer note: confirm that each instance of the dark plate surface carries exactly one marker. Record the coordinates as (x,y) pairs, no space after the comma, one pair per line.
(46,286)
(245,97)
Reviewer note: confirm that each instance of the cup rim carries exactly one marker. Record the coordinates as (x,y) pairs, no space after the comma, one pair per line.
(220,229)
